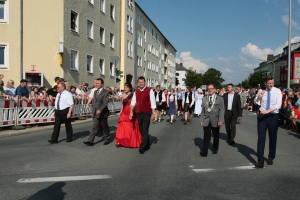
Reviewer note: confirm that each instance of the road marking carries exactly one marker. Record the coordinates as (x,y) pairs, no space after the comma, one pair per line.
(65,178)
(203,170)
(243,167)
(191,166)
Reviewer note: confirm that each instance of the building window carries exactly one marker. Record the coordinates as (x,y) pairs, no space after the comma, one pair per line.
(139,19)
(74,21)
(74,60)
(112,12)
(91,1)
(140,40)
(4,58)
(90,28)
(111,69)
(102,35)
(102,66)
(4,11)
(130,4)
(89,64)
(129,48)
(145,55)
(129,24)
(112,40)
(145,36)
(102,5)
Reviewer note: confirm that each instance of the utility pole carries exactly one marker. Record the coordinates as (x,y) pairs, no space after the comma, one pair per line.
(289,51)
(21,39)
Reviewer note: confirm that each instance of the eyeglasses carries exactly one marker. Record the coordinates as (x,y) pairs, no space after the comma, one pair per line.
(210,88)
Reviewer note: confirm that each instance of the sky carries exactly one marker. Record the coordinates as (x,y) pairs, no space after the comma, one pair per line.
(228,35)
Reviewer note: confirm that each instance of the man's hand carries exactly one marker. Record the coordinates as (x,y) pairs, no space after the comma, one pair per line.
(98,112)
(190,106)
(152,116)
(87,106)
(160,103)
(220,123)
(263,112)
(201,123)
(68,115)
(262,93)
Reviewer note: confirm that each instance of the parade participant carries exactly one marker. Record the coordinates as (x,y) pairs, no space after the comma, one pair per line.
(212,117)
(100,113)
(179,96)
(187,104)
(143,101)
(63,111)
(198,102)
(172,105)
(128,132)
(270,103)
(159,98)
(233,112)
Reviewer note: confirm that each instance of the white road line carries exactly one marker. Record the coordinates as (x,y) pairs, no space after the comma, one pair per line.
(65,178)
(243,167)
(191,166)
(203,170)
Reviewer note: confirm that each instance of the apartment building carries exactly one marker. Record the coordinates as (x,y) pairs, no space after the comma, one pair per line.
(80,40)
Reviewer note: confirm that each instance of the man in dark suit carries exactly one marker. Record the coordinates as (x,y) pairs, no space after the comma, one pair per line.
(100,113)
(233,112)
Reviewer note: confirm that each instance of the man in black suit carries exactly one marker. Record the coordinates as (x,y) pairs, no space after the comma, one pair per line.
(233,112)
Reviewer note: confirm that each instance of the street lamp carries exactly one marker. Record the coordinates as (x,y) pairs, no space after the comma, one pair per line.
(269,61)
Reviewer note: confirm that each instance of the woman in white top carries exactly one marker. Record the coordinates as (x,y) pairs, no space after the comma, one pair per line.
(10,89)
(198,100)
(172,105)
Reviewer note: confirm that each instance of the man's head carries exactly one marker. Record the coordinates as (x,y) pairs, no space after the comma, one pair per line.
(239,89)
(195,88)
(179,89)
(211,89)
(55,88)
(269,82)
(99,83)
(157,88)
(23,83)
(1,76)
(61,87)
(94,83)
(188,89)
(141,82)
(57,79)
(79,86)
(83,83)
(230,87)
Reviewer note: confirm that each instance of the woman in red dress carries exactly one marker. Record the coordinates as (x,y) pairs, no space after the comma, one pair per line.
(128,132)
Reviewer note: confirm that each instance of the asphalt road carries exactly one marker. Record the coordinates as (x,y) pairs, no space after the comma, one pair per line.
(171,169)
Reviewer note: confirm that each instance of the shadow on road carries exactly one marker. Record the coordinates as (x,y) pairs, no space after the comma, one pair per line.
(112,131)
(54,191)
(153,140)
(294,134)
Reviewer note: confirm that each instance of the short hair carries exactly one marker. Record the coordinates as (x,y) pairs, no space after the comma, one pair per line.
(9,82)
(158,86)
(56,78)
(63,85)
(55,87)
(230,84)
(72,87)
(142,78)
(100,79)
(211,84)
(188,88)
(268,78)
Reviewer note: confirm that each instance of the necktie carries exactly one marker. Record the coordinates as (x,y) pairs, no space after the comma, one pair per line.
(98,92)
(268,100)
(58,108)
(210,101)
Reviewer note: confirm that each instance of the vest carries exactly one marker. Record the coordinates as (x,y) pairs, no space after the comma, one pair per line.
(190,97)
(143,103)
(179,95)
(159,95)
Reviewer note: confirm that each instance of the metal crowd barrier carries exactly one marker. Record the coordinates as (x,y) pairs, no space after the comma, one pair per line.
(42,111)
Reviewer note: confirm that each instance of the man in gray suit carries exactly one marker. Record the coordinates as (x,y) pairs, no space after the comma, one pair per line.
(212,117)
(100,113)
(242,96)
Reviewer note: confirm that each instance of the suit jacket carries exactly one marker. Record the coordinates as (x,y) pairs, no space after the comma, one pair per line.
(236,105)
(243,99)
(100,103)
(217,112)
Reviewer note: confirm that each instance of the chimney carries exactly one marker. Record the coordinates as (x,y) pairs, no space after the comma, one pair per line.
(181,64)
(270,57)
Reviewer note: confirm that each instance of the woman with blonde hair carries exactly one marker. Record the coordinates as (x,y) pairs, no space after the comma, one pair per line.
(10,89)
(2,92)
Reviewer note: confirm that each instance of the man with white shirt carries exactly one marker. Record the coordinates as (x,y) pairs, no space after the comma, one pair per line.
(187,104)
(179,94)
(270,101)
(159,98)
(79,91)
(63,111)
(143,102)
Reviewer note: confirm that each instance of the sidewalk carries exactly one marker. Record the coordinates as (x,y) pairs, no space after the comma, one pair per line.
(9,133)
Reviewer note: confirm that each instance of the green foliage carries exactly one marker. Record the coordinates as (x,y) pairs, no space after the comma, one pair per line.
(193,79)
(213,76)
(255,79)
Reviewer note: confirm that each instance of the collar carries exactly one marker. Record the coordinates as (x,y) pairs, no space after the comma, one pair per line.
(142,89)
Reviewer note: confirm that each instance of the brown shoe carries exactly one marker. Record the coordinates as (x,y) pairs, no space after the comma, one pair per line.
(270,161)
(190,121)
(259,165)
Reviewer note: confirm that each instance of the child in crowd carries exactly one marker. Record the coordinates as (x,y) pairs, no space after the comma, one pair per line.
(288,113)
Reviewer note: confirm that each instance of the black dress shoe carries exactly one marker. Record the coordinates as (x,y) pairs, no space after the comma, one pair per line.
(141,150)
(100,135)
(270,161)
(88,143)
(69,140)
(259,165)
(214,151)
(202,154)
(231,143)
(52,141)
(106,142)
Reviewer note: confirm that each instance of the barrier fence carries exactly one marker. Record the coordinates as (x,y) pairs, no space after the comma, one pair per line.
(43,111)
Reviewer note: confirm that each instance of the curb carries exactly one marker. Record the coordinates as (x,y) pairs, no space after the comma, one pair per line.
(11,133)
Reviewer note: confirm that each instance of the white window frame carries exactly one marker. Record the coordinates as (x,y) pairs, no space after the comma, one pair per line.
(102,68)
(145,36)
(129,48)
(111,68)
(76,22)
(91,36)
(129,24)
(130,4)
(103,35)
(102,6)
(112,12)
(6,12)
(76,61)
(91,2)
(5,65)
(91,63)
(112,40)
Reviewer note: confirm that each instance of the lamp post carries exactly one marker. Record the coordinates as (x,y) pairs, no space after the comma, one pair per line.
(289,51)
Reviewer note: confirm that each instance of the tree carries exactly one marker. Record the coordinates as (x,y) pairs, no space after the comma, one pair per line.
(213,76)
(193,79)
(255,79)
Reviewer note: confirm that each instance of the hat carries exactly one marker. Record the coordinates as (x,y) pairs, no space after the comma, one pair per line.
(199,90)
(23,80)
(293,108)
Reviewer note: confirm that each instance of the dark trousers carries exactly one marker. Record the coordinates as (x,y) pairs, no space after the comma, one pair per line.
(61,117)
(144,123)
(179,105)
(230,125)
(267,122)
(207,137)
(99,125)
